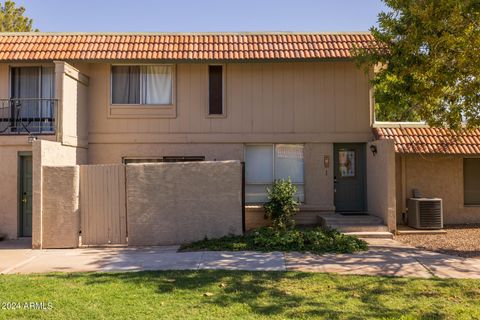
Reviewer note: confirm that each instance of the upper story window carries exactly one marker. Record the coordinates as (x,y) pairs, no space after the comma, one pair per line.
(215,90)
(145,84)
(32,104)
(32,82)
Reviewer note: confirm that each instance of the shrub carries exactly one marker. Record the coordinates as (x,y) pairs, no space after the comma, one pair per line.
(316,240)
(281,205)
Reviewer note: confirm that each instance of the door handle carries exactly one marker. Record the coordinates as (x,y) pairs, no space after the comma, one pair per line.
(24,198)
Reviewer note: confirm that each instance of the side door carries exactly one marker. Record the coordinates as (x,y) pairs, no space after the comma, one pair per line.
(25,195)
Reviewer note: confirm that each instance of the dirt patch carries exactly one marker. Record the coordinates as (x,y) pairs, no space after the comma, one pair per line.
(460,240)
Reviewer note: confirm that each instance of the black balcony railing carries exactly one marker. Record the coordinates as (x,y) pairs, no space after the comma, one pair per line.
(27,116)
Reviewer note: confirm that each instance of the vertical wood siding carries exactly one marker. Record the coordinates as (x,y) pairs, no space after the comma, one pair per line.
(102,204)
(260,98)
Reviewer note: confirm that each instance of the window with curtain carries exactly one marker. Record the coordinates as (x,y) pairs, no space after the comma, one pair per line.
(266,163)
(32,82)
(33,89)
(149,84)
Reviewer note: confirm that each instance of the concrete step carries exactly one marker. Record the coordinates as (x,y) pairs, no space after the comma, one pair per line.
(361,225)
(357,219)
(353,223)
(371,235)
(359,228)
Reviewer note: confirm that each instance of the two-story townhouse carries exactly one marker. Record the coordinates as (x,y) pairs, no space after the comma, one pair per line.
(289,105)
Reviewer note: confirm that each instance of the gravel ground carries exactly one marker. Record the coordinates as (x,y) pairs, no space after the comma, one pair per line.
(460,240)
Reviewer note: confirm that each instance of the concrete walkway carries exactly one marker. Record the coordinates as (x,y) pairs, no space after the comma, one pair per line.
(385,257)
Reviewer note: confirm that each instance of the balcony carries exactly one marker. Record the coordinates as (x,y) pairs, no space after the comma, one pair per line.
(28,116)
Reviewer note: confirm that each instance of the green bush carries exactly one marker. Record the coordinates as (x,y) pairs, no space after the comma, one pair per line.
(281,205)
(316,240)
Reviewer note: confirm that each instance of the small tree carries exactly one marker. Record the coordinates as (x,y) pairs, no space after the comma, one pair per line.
(427,55)
(12,19)
(281,205)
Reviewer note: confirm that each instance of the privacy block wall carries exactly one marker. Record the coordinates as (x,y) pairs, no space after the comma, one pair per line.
(172,203)
(60,207)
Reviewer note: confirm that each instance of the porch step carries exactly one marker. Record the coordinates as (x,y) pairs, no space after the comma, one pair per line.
(347,220)
(359,228)
(365,226)
(370,235)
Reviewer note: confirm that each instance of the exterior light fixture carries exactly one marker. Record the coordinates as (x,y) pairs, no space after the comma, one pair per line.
(31,139)
(374,150)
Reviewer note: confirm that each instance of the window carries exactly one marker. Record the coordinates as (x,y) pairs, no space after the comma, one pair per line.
(471,181)
(33,82)
(266,163)
(215,90)
(149,84)
(32,90)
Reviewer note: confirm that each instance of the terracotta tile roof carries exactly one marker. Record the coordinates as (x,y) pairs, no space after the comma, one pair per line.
(203,46)
(432,140)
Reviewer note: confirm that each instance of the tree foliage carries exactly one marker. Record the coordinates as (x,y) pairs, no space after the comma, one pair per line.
(12,19)
(427,58)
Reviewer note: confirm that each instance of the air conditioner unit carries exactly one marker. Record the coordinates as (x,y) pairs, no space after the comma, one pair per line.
(425,213)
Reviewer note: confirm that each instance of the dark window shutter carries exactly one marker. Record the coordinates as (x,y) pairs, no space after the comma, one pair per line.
(471,180)
(215,90)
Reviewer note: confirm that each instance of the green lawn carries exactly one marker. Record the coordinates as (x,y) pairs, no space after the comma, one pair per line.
(238,295)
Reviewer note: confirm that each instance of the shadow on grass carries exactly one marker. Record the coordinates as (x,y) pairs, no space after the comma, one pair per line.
(293,294)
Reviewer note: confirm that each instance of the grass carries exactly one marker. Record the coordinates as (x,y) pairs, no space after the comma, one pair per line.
(315,240)
(238,295)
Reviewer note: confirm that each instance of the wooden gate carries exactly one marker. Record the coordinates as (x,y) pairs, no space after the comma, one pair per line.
(102,204)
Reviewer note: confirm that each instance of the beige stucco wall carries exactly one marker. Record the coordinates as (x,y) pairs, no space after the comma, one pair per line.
(71,90)
(9,191)
(60,207)
(10,148)
(255,217)
(318,178)
(49,153)
(171,203)
(399,189)
(440,176)
(72,93)
(381,182)
(114,153)
(9,158)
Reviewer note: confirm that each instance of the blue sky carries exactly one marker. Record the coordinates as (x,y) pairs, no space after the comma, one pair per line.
(202,15)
